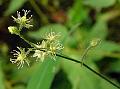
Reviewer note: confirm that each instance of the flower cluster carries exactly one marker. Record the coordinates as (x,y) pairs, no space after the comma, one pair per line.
(48,47)
(52,36)
(41,50)
(23,21)
(20,57)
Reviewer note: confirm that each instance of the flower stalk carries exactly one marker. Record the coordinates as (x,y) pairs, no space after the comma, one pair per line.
(89,68)
(50,46)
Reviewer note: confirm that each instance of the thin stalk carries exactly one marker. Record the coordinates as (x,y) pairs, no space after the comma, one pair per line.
(74,28)
(85,53)
(39,12)
(85,65)
(89,68)
(30,43)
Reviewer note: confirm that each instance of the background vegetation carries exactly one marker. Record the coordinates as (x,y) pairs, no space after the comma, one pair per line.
(79,21)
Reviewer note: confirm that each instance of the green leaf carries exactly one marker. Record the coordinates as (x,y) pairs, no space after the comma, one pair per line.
(44,74)
(115,66)
(108,46)
(105,48)
(19,87)
(44,2)
(99,30)
(2,82)
(105,85)
(79,77)
(100,3)
(82,78)
(58,28)
(77,13)
(13,6)
(23,74)
(1,2)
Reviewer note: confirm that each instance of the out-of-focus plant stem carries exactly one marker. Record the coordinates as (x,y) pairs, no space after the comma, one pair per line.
(115,55)
(39,12)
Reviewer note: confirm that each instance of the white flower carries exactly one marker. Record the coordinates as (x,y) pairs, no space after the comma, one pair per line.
(52,36)
(54,48)
(40,55)
(41,52)
(41,45)
(23,21)
(50,46)
(20,57)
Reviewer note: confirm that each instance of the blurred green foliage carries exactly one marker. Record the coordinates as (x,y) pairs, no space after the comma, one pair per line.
(96,19)
(99,4)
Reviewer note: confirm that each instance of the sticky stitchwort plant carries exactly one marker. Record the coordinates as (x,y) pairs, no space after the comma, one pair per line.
(50,46)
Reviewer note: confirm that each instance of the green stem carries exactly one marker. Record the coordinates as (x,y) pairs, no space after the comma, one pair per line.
(30,43)
(85,65)
(39,12)
(85,54)
(74,28)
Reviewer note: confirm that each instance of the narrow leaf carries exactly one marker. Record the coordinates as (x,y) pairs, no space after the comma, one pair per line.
(44,74)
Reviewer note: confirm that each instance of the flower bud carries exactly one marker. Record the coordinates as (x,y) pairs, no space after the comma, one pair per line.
(13,30)
(95,42)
